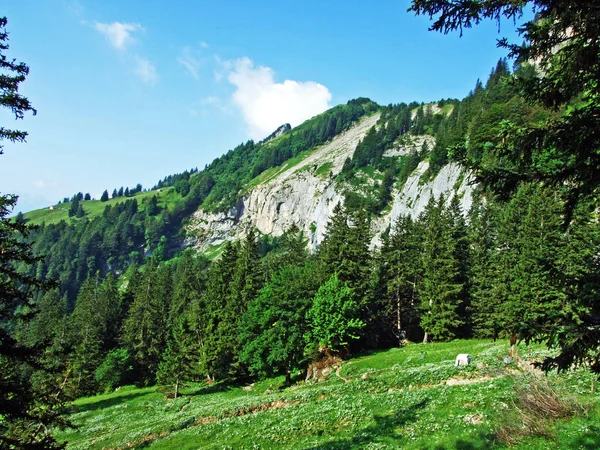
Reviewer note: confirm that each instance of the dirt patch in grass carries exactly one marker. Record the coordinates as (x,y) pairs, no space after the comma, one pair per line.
(144,440)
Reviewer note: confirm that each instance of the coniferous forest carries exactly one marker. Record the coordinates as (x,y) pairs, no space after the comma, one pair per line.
(116,299)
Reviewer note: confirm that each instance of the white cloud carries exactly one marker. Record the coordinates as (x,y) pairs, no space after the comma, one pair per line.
(117,33)
(41,184)
(203,44)
(190,62)
(266,104)
(145,70)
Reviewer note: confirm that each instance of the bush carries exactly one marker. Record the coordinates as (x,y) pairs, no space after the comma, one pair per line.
(537,405)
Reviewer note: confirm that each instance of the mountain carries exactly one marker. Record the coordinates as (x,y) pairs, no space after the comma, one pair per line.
(386,161)
(304,192)
(294,177)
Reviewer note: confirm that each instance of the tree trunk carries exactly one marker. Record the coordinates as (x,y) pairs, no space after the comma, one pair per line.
(176,387)
(426,338)
(288,378)
(398,320)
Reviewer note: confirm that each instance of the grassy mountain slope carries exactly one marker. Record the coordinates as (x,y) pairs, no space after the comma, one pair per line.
(94,208)
(411,397)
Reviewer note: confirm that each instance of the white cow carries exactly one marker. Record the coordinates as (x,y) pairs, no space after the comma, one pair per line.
(464,359)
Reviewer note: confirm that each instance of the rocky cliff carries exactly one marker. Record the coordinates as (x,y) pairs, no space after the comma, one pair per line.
(305,194)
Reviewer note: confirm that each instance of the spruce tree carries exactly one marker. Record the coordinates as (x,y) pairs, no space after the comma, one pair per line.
(534,299)
(145,328)
(88,331)
(400,275)
(179,360)
(440,293)
(248,279)
(485,308)
(462,255)
(215,349)
(26,409)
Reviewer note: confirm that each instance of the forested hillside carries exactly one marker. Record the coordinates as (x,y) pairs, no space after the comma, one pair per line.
(365,228)
(121,313)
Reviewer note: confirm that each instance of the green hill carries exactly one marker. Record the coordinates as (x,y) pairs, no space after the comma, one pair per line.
(411,397)
(94,208)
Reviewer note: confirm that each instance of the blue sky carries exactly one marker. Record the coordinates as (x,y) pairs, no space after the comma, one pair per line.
(130,91)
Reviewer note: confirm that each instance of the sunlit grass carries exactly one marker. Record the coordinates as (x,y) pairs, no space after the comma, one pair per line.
(94,208)
(411,397)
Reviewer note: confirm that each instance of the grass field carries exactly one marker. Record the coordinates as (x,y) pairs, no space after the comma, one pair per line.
(412,397)
(94,208)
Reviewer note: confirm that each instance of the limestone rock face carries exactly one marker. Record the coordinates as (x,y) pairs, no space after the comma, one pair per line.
(306,193)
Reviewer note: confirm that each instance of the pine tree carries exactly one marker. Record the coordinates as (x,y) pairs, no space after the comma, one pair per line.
(462,256)
(214,351)
(26,409)
(485,308)
(145,330)
(104,197)
(400,275)
(440,293)
(179,360)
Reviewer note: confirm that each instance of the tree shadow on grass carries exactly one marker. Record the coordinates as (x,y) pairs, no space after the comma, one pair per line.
(211,389)
(481,442)
(108,402)
(383,429)
(589,440)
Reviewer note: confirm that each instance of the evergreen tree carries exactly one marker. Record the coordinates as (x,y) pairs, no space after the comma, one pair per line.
(247,281)
(534,299)
(95,324)
(485,309)
(399,276)
(144,330)
(74,207)
(26,409)
(576,329)
(104,197)
(345,251)
(214,352)
(188,285)
(462,256)
(179,360)
(440,293)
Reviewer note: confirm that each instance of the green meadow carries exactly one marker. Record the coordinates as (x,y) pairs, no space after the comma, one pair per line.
(411,397)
